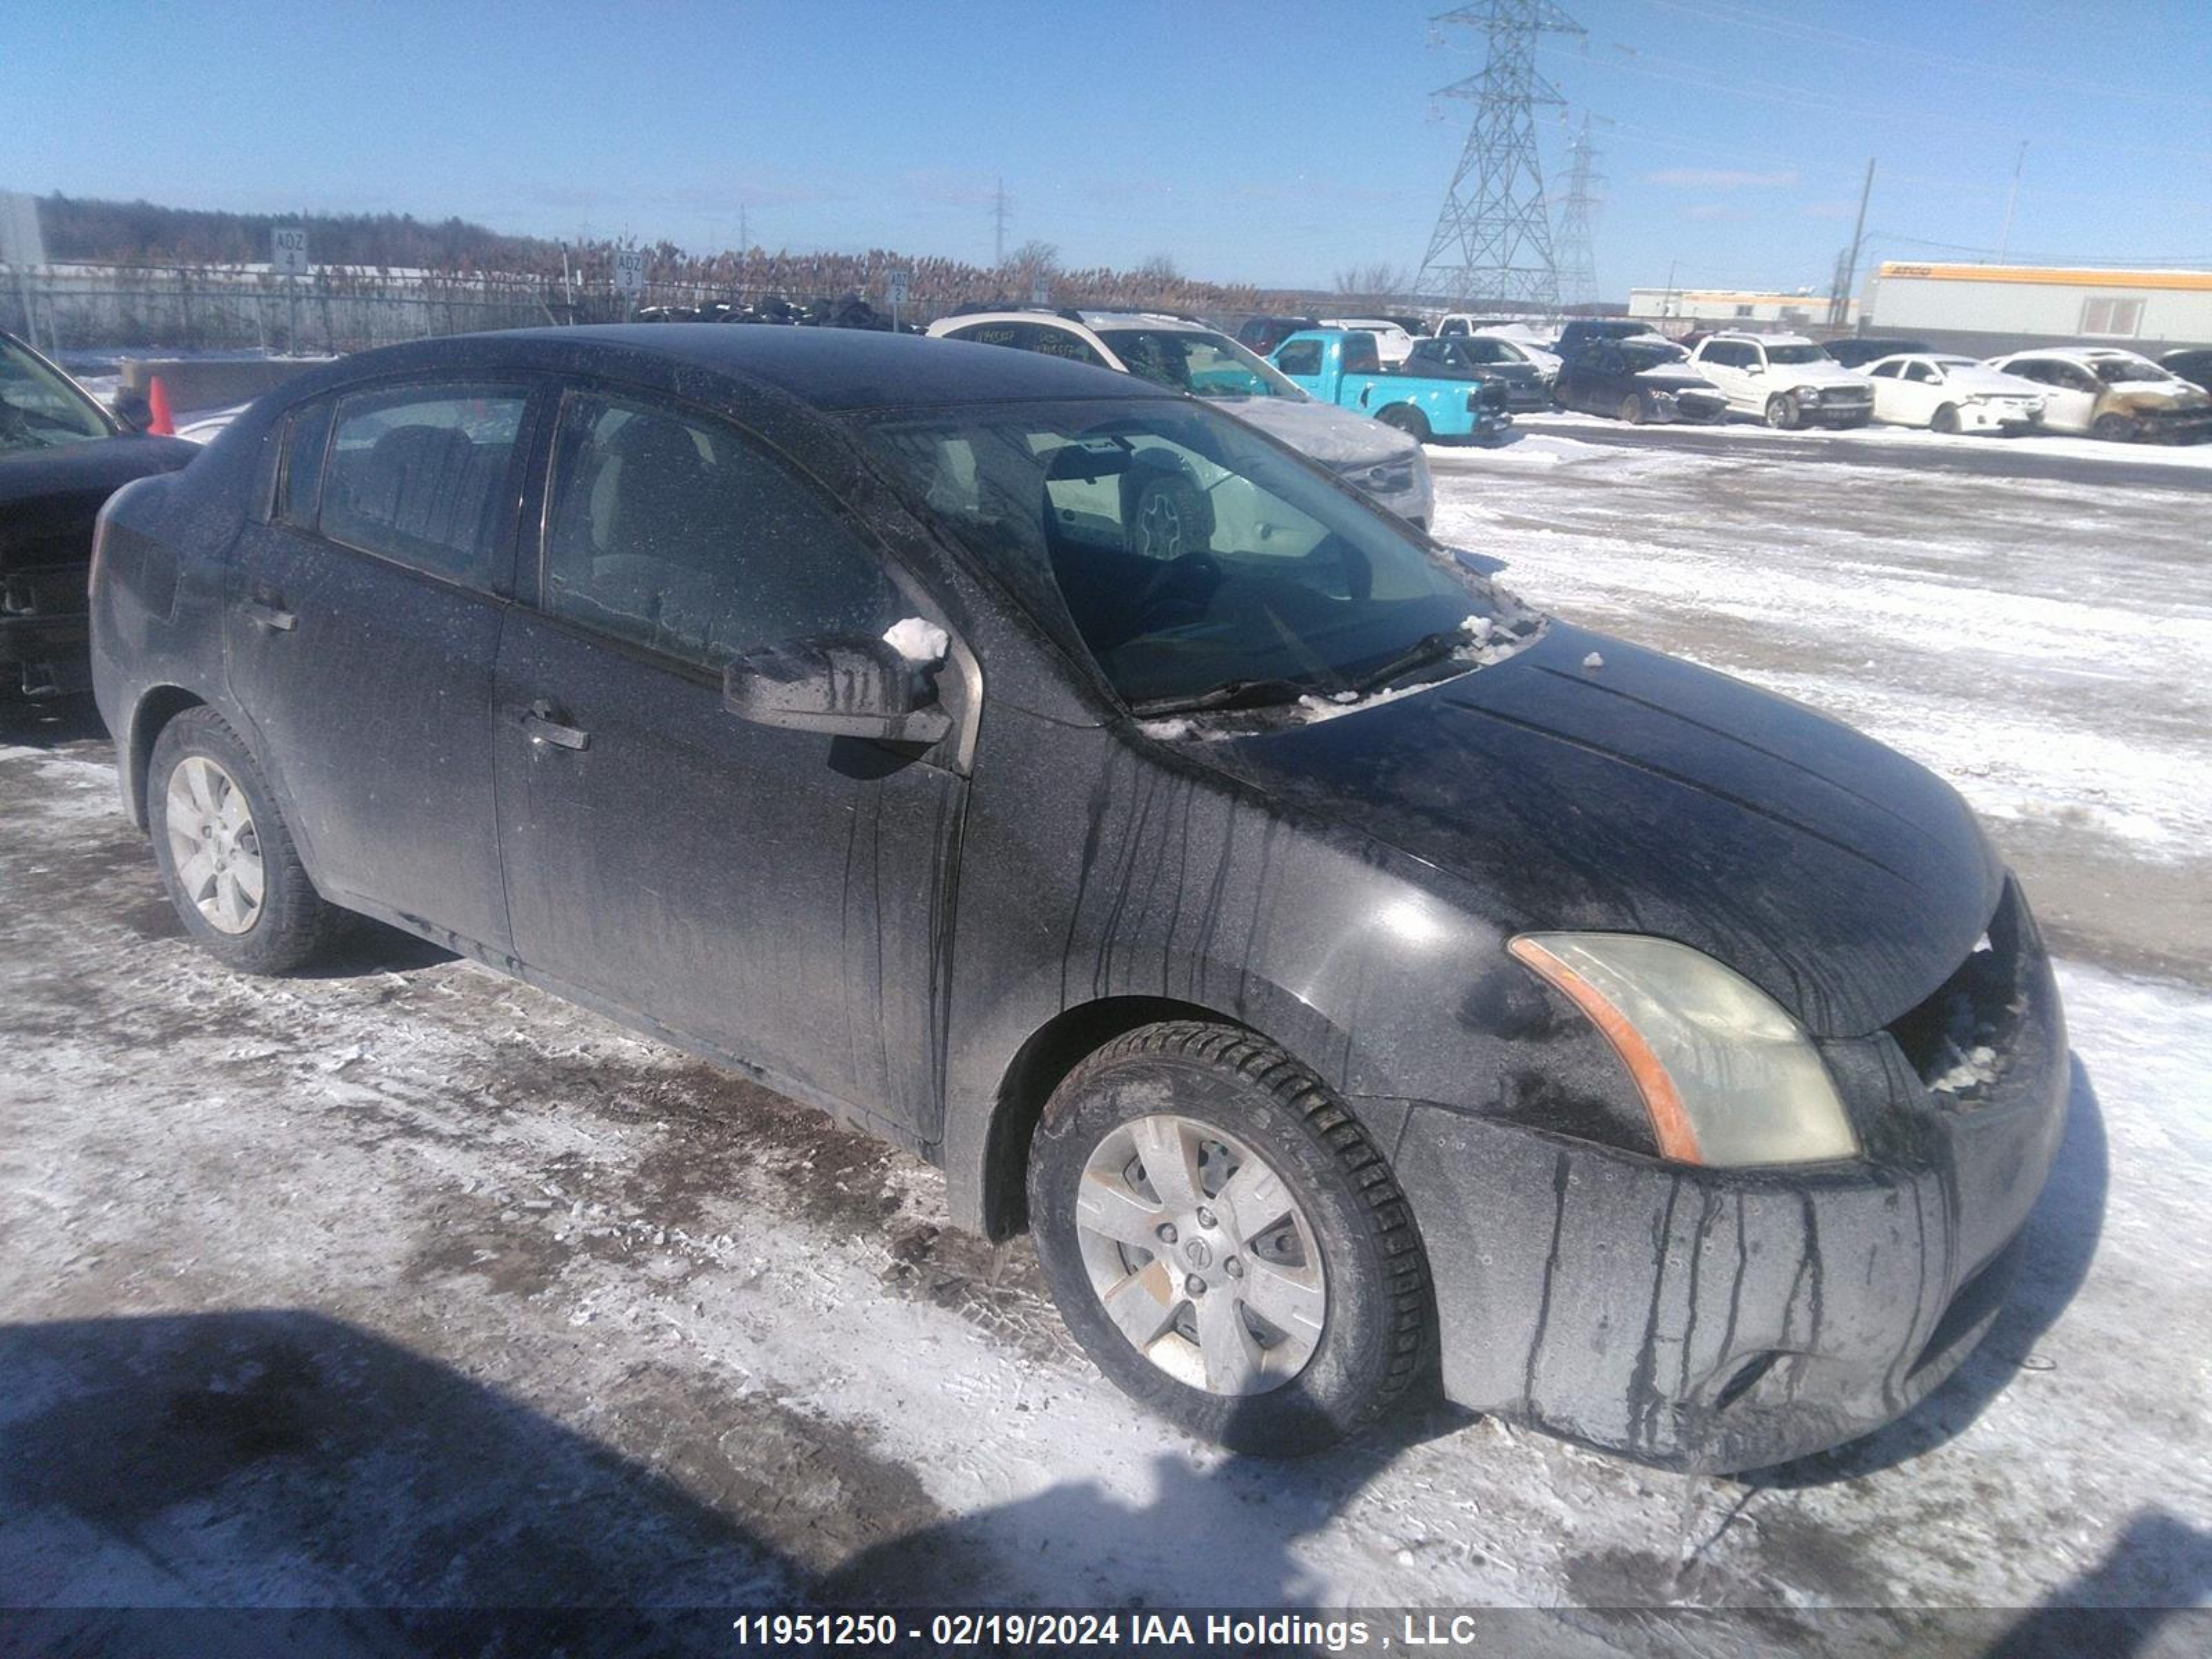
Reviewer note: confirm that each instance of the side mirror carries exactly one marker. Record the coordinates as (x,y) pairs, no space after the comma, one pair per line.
(131,408)
(848,685)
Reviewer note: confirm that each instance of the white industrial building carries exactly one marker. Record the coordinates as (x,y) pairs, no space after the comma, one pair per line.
(1964,306)
(1686,308)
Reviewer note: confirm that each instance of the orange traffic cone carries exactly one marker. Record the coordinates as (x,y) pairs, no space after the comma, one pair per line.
(163,425)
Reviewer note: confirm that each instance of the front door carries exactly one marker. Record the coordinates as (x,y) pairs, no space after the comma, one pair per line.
(781,897)
(361,625)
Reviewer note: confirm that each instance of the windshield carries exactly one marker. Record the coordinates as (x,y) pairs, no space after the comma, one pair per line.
(1806,352)
(39,408)
(1480,350)
(1204,364)
(2113,371)
(1187,552)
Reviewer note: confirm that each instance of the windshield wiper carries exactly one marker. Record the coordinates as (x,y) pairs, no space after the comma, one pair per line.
(1232,694)
(1429,649)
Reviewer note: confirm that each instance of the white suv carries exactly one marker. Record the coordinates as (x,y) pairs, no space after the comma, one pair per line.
(1379,460)
(1785,380)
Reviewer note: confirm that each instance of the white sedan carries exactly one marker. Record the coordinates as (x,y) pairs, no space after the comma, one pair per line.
(1953,394)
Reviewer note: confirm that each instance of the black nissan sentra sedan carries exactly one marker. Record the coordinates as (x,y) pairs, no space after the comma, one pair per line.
(1349,977)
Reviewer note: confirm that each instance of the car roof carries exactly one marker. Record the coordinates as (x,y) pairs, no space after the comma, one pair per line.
(829,370)
(2079,354)
(1759,339)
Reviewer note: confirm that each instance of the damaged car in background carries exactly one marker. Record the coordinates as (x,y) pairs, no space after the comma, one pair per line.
(1349,977)
(61,456)
(1637,380)
(2113,394)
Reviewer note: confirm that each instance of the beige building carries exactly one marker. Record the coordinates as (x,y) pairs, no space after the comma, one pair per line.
(2038,305)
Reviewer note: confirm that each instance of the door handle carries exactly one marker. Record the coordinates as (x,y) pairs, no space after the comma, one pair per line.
(262,614)
(546,725)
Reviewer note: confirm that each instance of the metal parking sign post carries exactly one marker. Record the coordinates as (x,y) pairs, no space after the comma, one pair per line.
(895,285)
(287,256)
(630,275)
(1041,292)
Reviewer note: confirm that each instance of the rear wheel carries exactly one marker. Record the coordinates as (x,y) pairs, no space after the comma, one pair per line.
(1631,410)
(226,857)
(1408,420)
(1225,1241)
(1782,413)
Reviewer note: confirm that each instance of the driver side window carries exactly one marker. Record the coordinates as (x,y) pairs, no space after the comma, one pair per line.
(678,533)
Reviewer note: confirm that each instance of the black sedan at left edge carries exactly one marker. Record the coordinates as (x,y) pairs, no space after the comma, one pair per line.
(61,456)
(1349,977)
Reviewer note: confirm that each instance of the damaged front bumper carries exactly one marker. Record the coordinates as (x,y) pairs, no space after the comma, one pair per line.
(1712,1320)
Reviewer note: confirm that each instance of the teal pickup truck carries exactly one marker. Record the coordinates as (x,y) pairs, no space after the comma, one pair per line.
(1341,366)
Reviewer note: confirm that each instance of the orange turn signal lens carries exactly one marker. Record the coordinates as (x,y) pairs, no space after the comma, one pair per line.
(1670,1123)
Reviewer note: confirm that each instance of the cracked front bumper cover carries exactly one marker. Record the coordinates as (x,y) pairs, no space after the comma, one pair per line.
(1713,1320)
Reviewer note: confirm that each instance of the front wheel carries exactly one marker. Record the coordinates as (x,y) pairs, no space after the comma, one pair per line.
(1225,1241)
(225,855)
(2112,428)
(1947,419)
(1782,413)
(1408,420)
(1631,410)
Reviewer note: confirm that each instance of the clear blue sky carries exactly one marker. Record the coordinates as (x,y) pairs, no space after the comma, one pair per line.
(1274,143)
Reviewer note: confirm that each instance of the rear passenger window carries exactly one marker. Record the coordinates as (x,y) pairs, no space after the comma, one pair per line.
(417,475)
(299,482)
(676,532)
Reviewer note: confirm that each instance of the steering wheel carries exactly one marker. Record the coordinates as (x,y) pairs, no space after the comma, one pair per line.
(1188,582)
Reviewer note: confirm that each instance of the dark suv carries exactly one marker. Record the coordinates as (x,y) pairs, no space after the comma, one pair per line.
(1348,975)
(1262,335)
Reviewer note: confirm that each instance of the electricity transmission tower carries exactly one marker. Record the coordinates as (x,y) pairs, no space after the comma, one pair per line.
(1493,235)
(1577,265)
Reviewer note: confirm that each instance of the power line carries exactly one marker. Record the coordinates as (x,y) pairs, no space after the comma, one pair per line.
(1578,263)
(1493,235)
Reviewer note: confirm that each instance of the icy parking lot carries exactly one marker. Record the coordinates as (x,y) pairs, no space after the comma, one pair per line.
(408,1284)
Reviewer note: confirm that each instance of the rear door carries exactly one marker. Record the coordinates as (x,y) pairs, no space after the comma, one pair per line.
(361,625)
(781,897)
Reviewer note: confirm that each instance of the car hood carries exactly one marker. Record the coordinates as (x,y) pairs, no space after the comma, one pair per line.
(105,465)
(1824,374)
(1676,377)
(1335,437)
(1644,794)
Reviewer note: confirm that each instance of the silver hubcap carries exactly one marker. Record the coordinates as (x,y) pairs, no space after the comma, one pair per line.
(213,844)
(1201,1255)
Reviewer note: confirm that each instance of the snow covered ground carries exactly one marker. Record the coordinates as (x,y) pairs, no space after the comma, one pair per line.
(2045,644)
(409,1285)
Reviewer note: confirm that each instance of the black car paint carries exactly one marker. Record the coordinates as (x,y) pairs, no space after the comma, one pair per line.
(49,498)
(923,944)
(1441,359)
(1857,351)
(2191,364)
(1601,379)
